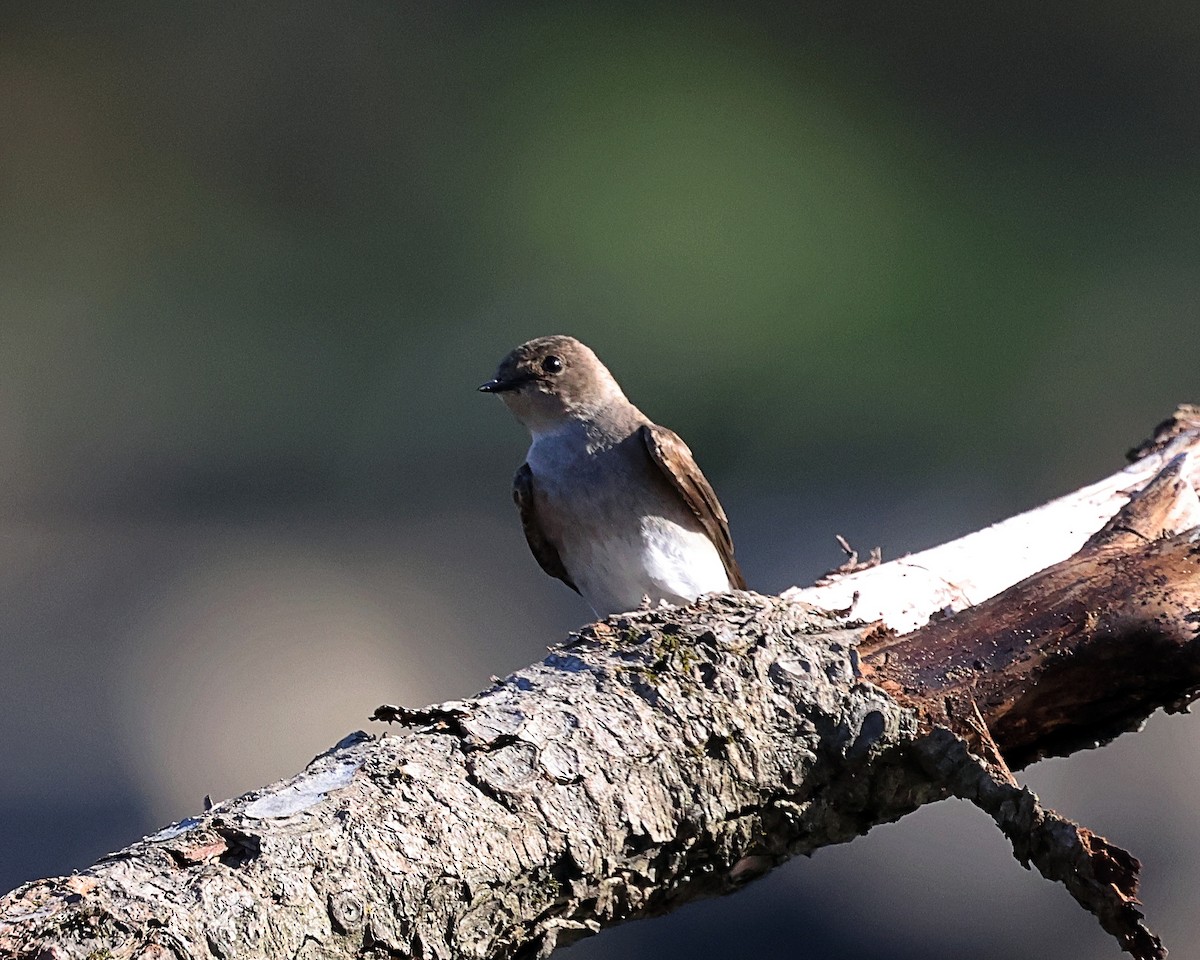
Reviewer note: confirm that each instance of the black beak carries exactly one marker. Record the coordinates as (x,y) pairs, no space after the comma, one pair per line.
(500,386)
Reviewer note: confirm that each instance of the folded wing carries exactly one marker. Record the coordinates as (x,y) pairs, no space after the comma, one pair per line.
(544,551)
(675,460)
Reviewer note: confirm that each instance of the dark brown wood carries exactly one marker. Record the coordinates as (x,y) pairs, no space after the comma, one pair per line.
(1071,656)
(1067,659)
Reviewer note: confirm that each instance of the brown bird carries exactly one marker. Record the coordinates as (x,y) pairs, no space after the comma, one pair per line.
(612,504)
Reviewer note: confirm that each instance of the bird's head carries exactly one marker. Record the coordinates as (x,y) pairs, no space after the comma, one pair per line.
(550,380)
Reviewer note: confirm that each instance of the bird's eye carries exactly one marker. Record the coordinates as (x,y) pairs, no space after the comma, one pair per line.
(552,365)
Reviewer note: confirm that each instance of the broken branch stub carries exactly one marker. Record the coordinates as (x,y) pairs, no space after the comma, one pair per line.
(1070,656)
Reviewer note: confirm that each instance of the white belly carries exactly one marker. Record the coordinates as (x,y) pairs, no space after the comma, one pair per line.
(621,536)
(665,561)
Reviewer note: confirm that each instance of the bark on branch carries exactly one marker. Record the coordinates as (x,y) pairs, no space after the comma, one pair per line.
(672,754)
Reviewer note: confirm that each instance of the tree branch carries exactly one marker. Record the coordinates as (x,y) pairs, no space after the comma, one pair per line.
(677,753)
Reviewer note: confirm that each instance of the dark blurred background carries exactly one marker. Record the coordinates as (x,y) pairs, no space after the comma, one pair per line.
(894,270)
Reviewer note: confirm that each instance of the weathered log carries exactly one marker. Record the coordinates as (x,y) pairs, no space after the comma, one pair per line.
(676,753)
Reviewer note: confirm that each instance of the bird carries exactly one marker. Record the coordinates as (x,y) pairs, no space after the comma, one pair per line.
(611,503)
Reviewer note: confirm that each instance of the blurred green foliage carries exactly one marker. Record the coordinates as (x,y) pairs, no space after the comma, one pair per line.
(287,240)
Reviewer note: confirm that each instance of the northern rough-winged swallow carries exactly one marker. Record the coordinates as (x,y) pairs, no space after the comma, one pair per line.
(612,504)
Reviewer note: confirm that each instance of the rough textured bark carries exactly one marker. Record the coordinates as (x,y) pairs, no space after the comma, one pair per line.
(671,754)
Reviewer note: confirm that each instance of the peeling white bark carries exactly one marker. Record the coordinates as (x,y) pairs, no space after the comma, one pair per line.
(905,592)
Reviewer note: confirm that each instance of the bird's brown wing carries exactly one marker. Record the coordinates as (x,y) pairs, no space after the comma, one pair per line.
(544,551)
(675,460)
